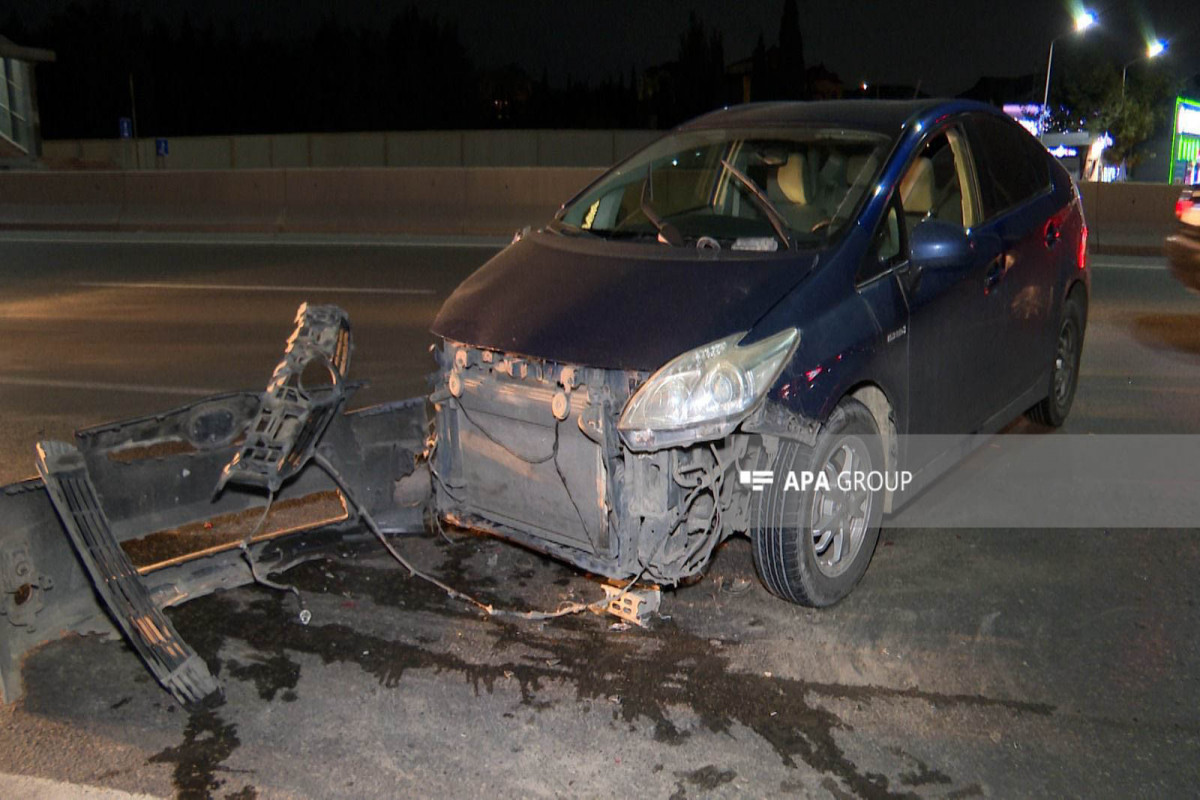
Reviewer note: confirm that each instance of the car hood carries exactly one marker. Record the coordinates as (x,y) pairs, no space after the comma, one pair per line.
(613,305)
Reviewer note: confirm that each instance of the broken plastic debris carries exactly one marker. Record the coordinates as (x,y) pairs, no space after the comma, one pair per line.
(632,605)
(305,616)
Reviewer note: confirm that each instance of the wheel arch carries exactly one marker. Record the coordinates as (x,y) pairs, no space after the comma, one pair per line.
(1078,288)
(875,399)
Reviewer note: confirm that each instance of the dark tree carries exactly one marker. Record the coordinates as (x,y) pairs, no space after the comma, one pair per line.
(699,75)
(791,77)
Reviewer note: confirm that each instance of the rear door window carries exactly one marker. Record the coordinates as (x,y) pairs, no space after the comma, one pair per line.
(1012,166)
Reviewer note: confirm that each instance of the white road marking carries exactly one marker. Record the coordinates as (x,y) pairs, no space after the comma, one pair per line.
(237,287)
(333,240)
(1127,265)
(32,788)
(101,386)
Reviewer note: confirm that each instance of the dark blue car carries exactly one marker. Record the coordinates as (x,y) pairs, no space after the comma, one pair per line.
(769,291)
(738,330)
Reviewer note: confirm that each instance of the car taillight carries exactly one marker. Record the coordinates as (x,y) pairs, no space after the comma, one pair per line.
(1081,254)
(1183,205)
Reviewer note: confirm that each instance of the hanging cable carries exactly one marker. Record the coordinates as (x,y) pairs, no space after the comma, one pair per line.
(488,608)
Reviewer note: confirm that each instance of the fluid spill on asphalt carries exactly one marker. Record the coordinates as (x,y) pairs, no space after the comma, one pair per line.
(273,674)
(706,779)
(574,652)
(207,741)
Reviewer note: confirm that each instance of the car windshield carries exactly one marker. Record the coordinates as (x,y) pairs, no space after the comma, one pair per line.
(756,189)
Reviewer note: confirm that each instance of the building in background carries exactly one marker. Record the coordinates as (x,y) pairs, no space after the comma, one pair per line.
(1080,152)
(1185,142)
(20,129)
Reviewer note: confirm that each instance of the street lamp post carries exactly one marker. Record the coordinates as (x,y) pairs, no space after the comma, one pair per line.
(1153,50)
(1083,21)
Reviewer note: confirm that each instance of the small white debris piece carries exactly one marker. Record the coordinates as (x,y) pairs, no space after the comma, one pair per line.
(305,616)
(632,605)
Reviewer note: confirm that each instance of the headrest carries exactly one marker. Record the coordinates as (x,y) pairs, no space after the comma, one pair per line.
(790,178)
(916,189)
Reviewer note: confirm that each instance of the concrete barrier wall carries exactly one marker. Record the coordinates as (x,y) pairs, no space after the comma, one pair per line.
(483,200)
(82,200)
(1123,216)
(368,200)
(243,200)
(489,148)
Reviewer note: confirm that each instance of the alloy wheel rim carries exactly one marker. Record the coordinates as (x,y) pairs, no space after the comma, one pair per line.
(841,514)
(1065,363)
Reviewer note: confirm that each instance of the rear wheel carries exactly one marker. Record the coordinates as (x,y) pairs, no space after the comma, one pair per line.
(1064,377)
(812,544)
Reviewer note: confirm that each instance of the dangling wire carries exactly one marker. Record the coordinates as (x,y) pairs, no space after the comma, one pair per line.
(488,608)
(244,546)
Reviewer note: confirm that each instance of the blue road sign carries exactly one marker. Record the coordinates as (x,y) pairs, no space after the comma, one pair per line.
(126,126)
(161,148)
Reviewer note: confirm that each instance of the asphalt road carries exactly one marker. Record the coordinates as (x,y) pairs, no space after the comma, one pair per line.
(967,664)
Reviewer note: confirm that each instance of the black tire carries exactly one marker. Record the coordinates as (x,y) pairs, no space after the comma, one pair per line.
(796,560)
(1064,374)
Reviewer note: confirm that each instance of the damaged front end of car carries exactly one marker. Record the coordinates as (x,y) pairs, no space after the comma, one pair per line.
(141,515)
(624,474)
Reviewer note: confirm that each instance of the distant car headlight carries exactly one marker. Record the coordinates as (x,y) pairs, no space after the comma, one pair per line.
(705,392)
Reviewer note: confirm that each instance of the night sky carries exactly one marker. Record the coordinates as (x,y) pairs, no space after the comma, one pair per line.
(944,44)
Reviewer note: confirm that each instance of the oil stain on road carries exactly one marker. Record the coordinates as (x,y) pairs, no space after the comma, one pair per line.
(643,675)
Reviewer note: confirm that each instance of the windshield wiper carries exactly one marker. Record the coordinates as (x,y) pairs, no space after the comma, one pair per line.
(666,230)
(765,205)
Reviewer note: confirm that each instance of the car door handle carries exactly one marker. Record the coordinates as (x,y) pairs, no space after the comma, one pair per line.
(1053,234)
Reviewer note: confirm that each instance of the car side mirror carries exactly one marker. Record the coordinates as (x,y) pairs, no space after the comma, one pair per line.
(937,243)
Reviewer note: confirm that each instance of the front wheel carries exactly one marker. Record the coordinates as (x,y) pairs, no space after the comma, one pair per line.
(814,535)
(1064,377)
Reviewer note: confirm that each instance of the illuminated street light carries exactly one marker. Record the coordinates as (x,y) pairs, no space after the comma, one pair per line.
(1153,50)
(1083,20)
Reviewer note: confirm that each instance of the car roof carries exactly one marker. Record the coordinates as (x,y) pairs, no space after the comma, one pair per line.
(882,116)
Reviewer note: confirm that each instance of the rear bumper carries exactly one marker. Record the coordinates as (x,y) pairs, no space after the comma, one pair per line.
(1183,256)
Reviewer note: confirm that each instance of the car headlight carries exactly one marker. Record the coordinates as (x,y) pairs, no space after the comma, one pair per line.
(705,392)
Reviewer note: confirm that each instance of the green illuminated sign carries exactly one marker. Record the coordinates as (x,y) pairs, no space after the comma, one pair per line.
(1185,137)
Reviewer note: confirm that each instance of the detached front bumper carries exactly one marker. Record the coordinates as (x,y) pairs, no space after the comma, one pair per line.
(139,515)
(528,449)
